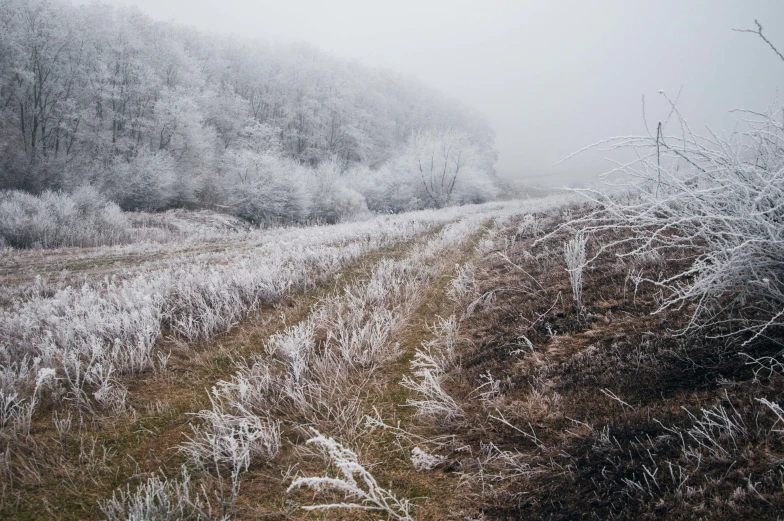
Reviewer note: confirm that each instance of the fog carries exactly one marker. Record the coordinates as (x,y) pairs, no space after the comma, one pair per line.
(550,77)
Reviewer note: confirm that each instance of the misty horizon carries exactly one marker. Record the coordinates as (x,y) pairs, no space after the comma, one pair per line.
(550,79)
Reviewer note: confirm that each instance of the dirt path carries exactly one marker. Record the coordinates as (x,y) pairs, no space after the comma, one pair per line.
(264,494)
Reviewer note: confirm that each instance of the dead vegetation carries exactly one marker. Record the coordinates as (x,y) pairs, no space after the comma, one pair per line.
(600,407)
(468,374)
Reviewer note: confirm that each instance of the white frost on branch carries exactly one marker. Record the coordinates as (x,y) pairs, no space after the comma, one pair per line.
(715,201)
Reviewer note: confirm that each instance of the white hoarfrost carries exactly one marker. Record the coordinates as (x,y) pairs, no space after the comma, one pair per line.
(423,460)
(355,482)
(308,380)
(314,371)
(574,255)
(90,334)
(430,365)
(714,201)
(158,499)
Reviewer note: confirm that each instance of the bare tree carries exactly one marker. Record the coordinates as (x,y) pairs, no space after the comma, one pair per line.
(441,157)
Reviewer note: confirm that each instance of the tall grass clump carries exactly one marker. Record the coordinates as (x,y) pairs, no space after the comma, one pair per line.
(430,365)
(57,219)
(158,499)
(715,202)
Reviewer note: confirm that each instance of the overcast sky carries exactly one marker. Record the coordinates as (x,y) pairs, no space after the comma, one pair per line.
(551,76)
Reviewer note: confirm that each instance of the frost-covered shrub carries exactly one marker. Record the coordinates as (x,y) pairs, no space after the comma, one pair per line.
(56,219)
(333,201)
(392,188)
(263,187)
(146,182)
(720,200)
(475,186)
(448,165)
(349,204)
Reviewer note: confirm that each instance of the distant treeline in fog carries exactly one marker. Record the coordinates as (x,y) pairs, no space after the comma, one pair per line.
(156,115)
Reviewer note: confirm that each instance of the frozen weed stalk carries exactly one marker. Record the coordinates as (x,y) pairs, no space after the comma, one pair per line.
(574,255)
(355,482)
(429,375)
(430,364)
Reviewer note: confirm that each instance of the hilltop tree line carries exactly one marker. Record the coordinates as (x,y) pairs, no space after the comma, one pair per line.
(155,115)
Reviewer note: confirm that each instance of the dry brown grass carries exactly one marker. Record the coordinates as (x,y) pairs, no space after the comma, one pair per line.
(594,409)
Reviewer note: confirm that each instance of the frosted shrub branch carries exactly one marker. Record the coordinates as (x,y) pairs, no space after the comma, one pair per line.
(716,201)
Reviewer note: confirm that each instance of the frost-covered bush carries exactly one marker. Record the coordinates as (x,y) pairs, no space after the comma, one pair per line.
(263,187)
(333,200)
(719,201)
(392,188)
(442,161)
(475,186)
(56,219)
(146,182)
